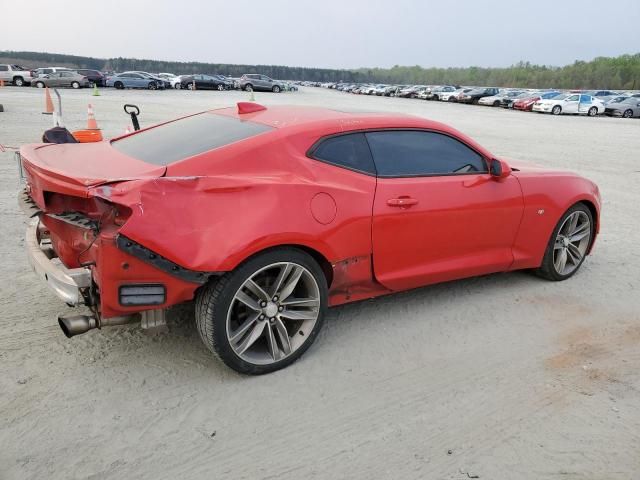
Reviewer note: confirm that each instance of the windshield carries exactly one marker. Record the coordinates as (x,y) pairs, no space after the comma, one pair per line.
(186,137)
(562,96)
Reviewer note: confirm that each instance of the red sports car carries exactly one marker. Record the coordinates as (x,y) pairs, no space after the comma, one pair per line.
(267,216)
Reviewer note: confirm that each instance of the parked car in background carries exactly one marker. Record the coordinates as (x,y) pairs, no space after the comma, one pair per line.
(627,108)
(496,100)
(475,95)
(453,96)
(176,82)
(95,77)
(570,103)
(526,103)
(255,81)
(435,93)
(131,80)
(507,102)
(203,82)
(161,83)
(61,79)
(15,74)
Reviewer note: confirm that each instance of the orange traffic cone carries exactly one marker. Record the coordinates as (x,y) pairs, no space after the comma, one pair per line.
(48,103)
(91,120)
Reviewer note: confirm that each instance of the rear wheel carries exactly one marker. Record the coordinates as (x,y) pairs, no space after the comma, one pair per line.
(557,110)
(266,313)
(569,244)
(593,111)
(18,81)
(248,87)
(178,86)
(152,86)
(276,89)
(627,114)
(190,86)
(220,87)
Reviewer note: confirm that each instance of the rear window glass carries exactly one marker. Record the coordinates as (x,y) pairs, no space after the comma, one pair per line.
(186,137)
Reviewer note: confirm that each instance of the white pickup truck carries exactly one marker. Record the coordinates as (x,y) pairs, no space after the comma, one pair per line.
(14,74)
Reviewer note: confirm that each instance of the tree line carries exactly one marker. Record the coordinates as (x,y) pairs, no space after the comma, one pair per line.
(622,72)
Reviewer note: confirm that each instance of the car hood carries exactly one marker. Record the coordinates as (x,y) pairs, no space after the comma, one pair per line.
(85,164)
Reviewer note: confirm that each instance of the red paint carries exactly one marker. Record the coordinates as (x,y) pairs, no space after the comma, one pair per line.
(525,104)
(249,107)
(212,211)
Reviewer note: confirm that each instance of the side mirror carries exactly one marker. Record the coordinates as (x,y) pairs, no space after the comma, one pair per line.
(499,169)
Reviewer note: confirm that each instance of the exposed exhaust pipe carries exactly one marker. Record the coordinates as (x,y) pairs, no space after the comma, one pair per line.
(78,324)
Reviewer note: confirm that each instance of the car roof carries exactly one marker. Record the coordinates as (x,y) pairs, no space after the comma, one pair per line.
(296,119)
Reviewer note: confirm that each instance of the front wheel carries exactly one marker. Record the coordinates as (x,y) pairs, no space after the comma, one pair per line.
(220,87)
(152,86)
(119,85)
(627,114)
(593,111)
(75,85)
(266,313)
(557,110)
(569,244)
(40,84)
(248,87)
(18,81)
(276,89)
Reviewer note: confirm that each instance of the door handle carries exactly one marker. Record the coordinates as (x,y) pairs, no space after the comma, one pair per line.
(403,202)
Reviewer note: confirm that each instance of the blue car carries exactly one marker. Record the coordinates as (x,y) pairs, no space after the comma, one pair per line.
(132,80)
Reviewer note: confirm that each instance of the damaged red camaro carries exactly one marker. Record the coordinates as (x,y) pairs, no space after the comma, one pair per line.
(267,216)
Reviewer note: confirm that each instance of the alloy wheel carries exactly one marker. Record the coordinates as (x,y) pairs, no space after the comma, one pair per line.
(571,243)
(272,313)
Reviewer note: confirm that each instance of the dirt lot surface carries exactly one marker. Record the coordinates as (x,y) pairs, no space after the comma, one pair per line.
(501,377)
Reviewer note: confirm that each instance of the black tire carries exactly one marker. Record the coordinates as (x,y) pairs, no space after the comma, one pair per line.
(248,87)
(496,103)
(547,269)
(118,85)
(220,88)
(627,114)
(451,99)
(75,85)
(152,86)
(213,302)
(475,101)
(18,81)
(275,89)
(40,84)
(593,112)
(556,110)
(190,86)
(178,86)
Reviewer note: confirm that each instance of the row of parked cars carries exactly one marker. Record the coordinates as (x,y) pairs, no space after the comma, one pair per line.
(79,78)
(556,102)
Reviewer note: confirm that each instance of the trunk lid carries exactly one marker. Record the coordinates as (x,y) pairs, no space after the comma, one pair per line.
(74,168)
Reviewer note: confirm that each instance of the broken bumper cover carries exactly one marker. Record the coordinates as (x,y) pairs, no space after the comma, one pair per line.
(66,283)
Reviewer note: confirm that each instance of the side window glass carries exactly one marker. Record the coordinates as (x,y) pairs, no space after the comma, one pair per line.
(350,151)
(410,153)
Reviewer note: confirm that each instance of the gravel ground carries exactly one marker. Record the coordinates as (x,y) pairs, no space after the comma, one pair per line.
(504,377)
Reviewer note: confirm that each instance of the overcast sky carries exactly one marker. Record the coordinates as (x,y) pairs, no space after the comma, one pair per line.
(327,33)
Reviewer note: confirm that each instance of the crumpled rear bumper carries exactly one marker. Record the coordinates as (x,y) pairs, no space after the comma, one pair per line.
(66,283)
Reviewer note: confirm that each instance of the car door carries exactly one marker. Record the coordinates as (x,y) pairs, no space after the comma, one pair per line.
(139,81)
(4,73)
(53,79)
(571,104)
(438,214)
(66,78)
(585,103)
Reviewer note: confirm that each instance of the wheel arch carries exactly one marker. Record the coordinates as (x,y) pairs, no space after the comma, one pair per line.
(318,256)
